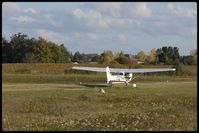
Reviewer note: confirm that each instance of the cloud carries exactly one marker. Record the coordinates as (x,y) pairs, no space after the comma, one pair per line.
(90,18)
(141,9)
(107,8)
(50,19)
(193,31)
(102,24)
(53,36)
(23,19)
(30,10)
(121,37)
(79,13)
(168,21)
(179,11)
(92,36)
(10,7)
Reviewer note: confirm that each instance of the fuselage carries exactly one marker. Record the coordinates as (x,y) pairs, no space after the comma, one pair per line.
(120,78)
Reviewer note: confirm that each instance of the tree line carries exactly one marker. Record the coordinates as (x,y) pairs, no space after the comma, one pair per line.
(22,49)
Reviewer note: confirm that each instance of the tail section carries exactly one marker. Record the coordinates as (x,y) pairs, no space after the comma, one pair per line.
(108,74)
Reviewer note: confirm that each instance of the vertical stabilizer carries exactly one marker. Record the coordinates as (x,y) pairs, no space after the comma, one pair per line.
(108,74)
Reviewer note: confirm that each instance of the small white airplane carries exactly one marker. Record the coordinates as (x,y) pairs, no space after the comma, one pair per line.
(122,75)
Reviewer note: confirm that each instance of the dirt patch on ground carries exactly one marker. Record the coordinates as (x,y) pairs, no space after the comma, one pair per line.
(41,87)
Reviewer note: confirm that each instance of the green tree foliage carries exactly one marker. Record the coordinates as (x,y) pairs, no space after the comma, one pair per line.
(122,59)
(160,56)
(23,49)
(64,55)
(45,55)
(20,45)
(193,53)
(168,55)
(107,57)
(34,55)
(77,57)
(20,49)
(152,57)
(6,51)
(187,60)
(141,56)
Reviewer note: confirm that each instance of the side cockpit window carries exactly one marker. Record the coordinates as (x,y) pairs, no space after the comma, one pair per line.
(122,74)
(126,74)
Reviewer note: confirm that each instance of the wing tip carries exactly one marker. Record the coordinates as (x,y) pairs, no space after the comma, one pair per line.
(74,67)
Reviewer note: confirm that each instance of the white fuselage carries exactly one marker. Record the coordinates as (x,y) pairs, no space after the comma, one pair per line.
(120,77)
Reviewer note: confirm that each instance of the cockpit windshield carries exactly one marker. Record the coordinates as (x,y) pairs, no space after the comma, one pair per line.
(126,74)
(122,74)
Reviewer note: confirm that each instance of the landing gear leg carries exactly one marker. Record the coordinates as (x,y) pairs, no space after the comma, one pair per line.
(126,83)
(110,84)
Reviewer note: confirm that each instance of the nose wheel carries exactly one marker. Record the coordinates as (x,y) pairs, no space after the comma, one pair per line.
(134,85)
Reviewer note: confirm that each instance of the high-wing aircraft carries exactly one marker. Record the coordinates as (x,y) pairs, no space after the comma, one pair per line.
(118,75)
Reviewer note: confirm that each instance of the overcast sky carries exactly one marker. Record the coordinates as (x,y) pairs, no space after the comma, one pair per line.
(92,27)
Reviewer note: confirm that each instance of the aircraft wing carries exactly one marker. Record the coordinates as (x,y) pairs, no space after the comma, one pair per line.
(142,70)
(94,69)
(134,70)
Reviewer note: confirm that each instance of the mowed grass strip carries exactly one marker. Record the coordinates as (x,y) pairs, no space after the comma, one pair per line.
(53,78)
(90,78)
(158,106)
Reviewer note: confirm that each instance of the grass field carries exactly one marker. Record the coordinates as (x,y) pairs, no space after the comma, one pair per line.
(42,97)
(156,106)
(76,78)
